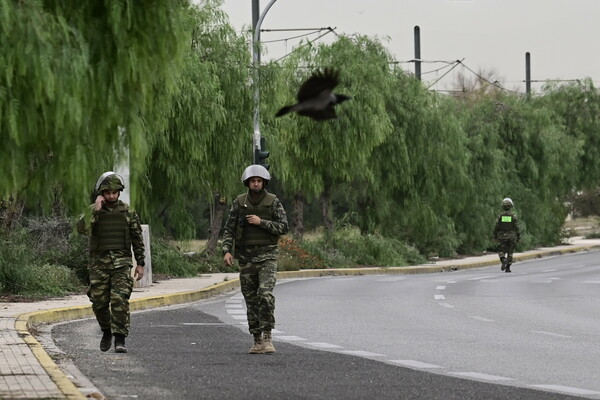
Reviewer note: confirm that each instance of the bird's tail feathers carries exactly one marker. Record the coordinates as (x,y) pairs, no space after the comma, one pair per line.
(283,111)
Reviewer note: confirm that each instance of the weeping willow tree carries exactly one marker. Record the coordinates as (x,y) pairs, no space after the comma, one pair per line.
(78,79)
(207,142)
(314,157)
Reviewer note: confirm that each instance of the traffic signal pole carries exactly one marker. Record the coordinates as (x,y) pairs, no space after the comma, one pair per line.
(256,24)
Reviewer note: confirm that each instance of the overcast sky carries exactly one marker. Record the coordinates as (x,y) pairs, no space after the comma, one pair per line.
(491,35)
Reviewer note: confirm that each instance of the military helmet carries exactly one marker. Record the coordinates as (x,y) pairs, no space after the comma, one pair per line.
(110,181)
(507,203)
(255,170)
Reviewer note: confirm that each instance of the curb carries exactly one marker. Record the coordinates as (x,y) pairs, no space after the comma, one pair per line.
(26,321)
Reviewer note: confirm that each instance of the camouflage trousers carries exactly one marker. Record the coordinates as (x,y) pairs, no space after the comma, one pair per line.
(110,290)
(257,281)
(506,249)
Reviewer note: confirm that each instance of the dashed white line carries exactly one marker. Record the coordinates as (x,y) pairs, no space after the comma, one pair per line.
(478,278)
(361,353)
(478,375)
(551,334)
(239,317)
(478,318)
(324,345)
(238,312)
(234,305)
(289,338)
(549,270)
(439,297)
(415,364)
(446,305)
(440,287)
(567,389)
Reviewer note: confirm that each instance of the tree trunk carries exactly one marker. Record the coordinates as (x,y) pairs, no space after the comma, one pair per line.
(215,224)
(298,217)
(326,211)
(10,212)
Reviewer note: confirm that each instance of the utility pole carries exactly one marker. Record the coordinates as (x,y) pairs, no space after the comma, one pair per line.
(256,23)
(528,74)
(418,52)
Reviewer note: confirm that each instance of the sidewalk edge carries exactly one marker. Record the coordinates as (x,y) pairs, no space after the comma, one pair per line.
(25,322)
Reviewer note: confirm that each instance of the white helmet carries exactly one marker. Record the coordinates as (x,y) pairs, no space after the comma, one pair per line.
(507,203)
(255,170)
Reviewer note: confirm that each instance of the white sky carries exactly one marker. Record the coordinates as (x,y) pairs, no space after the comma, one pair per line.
(491,35)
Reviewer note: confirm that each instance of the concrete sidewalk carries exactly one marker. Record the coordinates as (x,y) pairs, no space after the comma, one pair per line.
(28,372)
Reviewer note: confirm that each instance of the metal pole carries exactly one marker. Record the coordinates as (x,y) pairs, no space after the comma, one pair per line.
(418,52)
(256,65)
(528,73)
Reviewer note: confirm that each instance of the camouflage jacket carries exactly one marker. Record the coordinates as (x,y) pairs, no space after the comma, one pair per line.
(277,225)
(114,258)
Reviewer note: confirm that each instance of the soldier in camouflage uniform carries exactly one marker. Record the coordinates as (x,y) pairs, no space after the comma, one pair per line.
(113,228)
(255,222)
(507,234)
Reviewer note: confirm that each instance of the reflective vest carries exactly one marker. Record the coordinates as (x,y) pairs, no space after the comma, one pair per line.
(506,221)
(247,234)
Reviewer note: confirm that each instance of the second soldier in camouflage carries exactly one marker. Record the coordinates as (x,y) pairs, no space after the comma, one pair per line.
(255,223)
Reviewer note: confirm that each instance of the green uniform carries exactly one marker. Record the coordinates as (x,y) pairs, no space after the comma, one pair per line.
(113,232)
(255,247)
(507,234)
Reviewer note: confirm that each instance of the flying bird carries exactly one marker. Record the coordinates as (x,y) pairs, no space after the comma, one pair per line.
(316,98)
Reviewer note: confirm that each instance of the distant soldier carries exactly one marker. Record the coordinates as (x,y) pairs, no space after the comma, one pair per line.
(255,222)
(507,234)
(113,228)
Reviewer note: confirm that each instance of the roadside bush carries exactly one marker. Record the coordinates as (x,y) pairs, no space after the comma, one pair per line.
(349,248)
(23,272)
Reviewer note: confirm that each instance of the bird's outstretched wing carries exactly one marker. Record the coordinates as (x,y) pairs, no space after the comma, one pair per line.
(317,83)
(320,115)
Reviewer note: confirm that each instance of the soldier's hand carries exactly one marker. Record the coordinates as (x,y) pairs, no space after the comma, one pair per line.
(139,272)
(98,203)
(253,219)
(228,259)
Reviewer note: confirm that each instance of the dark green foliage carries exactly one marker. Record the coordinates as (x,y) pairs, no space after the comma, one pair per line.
(349,248)
(28,265)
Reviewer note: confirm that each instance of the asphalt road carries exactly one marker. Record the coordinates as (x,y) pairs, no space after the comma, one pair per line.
(478,334)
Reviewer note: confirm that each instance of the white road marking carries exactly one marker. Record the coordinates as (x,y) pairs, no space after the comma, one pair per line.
(478,375)
(439,297)
(394,279)
(276,332)
(440,287)
(446,305)
(567,389)
(232,300)
(322,345)
(478,318)
(592,282)
(201,324)
(361,353)
(415,364)
(289,338)
(450,281)
(549,270)
(234,305)
(478,278)
(552,334)
(239,317)
(238,312)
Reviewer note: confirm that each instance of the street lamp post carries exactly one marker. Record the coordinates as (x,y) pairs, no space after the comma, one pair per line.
(257,22)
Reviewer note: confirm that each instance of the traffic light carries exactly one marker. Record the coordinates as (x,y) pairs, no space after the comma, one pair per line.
(261,155)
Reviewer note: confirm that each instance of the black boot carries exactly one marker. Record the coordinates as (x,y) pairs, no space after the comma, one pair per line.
(106,340)
(507,268)
(120,343)
(503,261)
